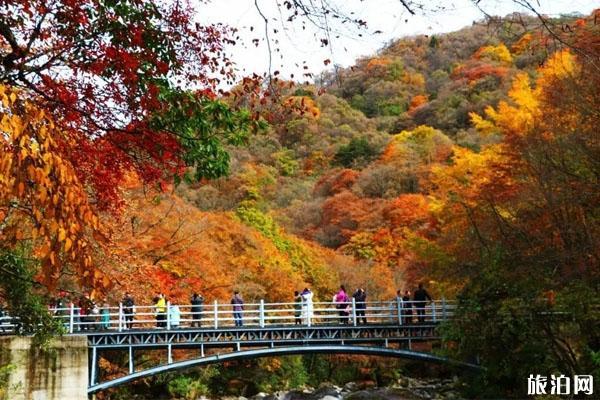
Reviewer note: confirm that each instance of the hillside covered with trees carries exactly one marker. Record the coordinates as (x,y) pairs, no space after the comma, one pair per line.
(469,161)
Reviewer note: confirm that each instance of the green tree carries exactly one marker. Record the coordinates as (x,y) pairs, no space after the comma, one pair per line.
(434,43)
(358,152)
(20,291)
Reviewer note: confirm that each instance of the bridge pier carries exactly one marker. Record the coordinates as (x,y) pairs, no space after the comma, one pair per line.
(59,373)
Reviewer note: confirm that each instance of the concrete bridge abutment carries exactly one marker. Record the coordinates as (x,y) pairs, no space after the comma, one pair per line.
(58,372)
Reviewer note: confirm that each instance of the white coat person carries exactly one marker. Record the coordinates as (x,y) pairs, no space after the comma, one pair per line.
(174,316)
(307,306)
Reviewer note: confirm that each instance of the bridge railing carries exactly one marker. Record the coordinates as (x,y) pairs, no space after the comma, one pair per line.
(254,314)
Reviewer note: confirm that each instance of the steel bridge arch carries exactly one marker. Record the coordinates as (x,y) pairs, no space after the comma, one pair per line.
(281,351)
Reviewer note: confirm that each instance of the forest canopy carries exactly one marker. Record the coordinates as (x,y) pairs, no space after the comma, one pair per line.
(468,161)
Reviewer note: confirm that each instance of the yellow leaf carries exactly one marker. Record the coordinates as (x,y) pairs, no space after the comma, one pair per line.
(68,244)
(62,235)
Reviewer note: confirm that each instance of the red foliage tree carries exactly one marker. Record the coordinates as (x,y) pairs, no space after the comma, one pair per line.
(107,70)
(332,184)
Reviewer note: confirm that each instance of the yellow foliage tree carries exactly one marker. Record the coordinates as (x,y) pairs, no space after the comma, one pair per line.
(519,118)
(498,53)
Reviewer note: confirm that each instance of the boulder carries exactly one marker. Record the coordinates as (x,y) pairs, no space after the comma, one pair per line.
(298,395)
(367,384)
(322,391)
(365,395)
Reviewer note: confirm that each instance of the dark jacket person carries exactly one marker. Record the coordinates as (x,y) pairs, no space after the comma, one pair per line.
(360,300)
(421,297)
(197,302)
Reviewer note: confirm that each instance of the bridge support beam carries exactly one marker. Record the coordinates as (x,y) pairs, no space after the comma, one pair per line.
(57,374)
(93,365)
(131,365)
(277,352)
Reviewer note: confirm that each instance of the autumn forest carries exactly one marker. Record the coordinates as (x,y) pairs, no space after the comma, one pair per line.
(467,161)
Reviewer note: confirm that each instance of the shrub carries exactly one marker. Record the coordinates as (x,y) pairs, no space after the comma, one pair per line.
(386,181)
(187,388)
(285,162)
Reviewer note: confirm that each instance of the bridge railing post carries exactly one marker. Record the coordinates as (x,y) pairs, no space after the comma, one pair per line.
(120,316)
(71,317)
(262,313)
(168,315)
(354,311)
(444,316)
(433,311)
(216,313)
(399,309)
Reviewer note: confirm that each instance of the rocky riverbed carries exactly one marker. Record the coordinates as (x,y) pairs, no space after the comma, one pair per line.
(402,389)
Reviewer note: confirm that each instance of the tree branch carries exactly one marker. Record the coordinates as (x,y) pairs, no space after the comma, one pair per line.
(266,36)
(8,60)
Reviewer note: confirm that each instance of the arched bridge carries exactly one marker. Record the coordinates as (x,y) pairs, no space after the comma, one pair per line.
(223,332)
(215,346)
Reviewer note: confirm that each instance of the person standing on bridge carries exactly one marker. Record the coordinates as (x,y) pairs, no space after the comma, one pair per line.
(174,316)
(197,302)
(407,307)
(307,306)
(421,297)
(297,308)
(86,305)
(128,310)
(62,309)
(341,299)
(105,315)
(161,310)
(360,300)
(238,308)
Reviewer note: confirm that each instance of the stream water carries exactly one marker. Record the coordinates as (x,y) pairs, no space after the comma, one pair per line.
(403,389)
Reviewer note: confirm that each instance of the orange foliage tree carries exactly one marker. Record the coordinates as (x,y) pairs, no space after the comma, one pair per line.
(41,199)
(182,250)
(529,193)
(416,102)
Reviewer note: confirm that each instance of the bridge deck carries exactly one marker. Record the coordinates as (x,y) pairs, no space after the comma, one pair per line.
(257,336)
(229,343)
